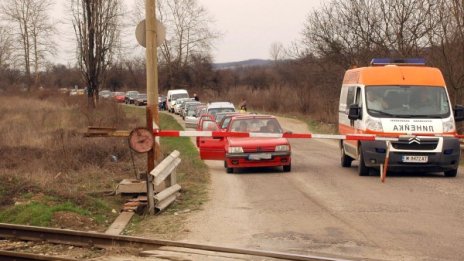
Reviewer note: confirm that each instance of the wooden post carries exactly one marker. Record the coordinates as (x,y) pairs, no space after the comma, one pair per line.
(152,94)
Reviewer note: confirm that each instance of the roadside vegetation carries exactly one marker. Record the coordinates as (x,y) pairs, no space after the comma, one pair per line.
(50,175)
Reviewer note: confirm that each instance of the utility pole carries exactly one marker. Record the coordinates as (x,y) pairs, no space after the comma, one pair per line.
(152,95)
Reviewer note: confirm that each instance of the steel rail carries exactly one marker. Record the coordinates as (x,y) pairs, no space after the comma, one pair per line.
(91,239)
(17,256)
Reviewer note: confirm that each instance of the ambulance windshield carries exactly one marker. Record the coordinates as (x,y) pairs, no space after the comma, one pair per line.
(407,102)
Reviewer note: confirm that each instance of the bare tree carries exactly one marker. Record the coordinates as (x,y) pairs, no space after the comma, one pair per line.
(97,28)
(6,47)
(353,31)
(189,34)
(447,44)
(406,24)
(327,34)
(276,51)
(33,30)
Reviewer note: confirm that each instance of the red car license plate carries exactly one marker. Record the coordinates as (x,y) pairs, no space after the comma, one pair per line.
(260,156)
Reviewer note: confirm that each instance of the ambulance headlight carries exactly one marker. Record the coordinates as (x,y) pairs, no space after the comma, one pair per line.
(374,125)
(448,125)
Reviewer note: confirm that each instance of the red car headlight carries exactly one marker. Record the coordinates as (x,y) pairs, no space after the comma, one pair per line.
(282,148)
(235,150)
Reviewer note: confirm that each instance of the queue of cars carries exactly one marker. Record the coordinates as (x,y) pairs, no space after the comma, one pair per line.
(235,152)
(129,97)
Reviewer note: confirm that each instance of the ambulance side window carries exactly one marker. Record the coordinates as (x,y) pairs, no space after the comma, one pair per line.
(358,100)
(350,97)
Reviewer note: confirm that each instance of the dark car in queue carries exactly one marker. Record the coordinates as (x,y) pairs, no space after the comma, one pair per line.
(130,97)
(220,116)
(141,99)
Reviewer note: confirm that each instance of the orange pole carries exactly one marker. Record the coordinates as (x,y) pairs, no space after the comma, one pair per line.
(383,174)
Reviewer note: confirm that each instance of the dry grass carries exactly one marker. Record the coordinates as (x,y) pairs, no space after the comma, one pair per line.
(44,152)
(43,149)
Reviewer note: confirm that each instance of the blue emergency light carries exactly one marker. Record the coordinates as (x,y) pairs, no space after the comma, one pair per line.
(405,61)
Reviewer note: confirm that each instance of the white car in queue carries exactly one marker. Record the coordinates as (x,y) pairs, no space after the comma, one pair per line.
(172,97)
(186,106)
(216,107)
(193,115)
(179,103)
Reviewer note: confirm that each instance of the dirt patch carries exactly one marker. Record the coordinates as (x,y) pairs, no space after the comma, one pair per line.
(71,220)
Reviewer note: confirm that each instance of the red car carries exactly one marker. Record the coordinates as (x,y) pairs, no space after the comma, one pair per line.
(119,96)
(253,151)
(201,126)
(207,125)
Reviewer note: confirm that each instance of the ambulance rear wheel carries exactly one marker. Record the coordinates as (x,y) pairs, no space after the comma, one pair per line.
(451,173)
(345,159)
(362,169)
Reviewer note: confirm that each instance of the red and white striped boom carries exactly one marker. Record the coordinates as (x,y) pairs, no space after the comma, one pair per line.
(363,137)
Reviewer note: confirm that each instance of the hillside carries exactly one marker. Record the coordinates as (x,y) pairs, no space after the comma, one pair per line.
(241,64)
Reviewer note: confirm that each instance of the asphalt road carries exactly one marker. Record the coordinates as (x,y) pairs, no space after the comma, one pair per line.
(322,208)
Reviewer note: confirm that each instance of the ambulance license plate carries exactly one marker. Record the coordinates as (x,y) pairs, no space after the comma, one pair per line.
(260,156)
(415,159)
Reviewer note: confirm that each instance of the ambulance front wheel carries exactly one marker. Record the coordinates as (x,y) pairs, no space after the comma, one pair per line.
(362,169)
(451,173)
(345,160)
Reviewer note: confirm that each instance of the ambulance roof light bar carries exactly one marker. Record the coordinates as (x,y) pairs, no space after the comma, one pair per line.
(402,61)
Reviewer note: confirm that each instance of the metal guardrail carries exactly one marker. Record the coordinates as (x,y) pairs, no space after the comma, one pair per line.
(166,172)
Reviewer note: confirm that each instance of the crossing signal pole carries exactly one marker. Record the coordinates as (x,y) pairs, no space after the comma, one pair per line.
(152,94)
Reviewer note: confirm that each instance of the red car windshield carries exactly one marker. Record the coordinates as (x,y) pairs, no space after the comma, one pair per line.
(209,126)
(263,125)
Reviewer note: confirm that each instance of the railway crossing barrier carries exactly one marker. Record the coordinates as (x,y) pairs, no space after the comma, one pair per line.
(359,137)
(161,172)
(290,135)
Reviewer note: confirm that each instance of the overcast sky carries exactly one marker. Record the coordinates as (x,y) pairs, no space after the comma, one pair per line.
(249,27)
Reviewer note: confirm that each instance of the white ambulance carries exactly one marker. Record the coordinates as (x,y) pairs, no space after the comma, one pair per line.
(399,98)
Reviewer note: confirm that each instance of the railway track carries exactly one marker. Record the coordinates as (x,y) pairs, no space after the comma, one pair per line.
(17,256)
(105,241)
